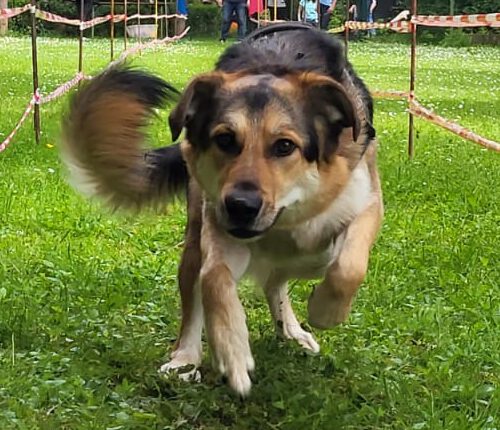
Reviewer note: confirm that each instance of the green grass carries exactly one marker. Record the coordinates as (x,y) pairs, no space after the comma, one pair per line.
(88,300)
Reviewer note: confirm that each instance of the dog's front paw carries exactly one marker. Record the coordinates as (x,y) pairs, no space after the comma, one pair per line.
(295,331)
(232,357)
(326,310)
(184,362)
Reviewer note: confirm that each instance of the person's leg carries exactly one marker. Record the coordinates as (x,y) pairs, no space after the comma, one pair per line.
(325,16)
(371,31)
(281,13)
(227,12)
(241,14)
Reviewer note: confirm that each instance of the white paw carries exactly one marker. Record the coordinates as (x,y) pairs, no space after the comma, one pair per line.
(295,331)
(240,382)
(185,363)
(232,358)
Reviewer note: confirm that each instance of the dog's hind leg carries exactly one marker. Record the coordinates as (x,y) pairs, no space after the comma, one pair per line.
(187,353)
(286,322)
(331,301)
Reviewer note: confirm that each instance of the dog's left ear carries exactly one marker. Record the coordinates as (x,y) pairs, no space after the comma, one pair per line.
(195,106)
(333,111)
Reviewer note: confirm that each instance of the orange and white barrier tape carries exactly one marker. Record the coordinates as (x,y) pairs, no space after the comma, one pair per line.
(52,17)
(64,88)
(479,20)
(138,16)
(390,94)
(29,108)
(339,29)
(417,109)
(399,26)
(12,12)
(142,46)
(101,19)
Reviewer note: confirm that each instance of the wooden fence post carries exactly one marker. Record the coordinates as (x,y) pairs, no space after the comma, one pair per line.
(413,60)
(80,39)
(34,60)
(125,25)
(112,30)
(4,22)
(346,29)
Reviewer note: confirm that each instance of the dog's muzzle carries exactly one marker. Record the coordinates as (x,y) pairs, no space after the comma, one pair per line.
(242,206)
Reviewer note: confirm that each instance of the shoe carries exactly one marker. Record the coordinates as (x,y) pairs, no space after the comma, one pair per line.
(222,40)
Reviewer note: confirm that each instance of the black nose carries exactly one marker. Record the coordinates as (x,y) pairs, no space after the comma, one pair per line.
(243,205)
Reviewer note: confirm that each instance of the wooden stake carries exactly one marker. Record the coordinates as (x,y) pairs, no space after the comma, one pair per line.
(139,20)
(165,11)
(4,22)
(413,61)
(346,29)
(34,58)
(80,39)
(112,30)
(156,19)
(125,25)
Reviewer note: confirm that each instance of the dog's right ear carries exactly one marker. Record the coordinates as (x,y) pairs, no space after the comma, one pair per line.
(196,106)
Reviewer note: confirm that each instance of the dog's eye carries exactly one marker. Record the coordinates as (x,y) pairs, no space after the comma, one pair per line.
(283,148)
(226,142)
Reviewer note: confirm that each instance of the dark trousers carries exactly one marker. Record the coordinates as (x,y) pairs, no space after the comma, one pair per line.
(324,16)
(281,13)
(240,10)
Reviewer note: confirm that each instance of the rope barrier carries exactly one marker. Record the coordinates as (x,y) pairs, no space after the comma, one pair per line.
(477,20)
(397,24)
(83,25)
(417,109)
(37,99)
(138,16)
(12,12)
(62,89)
(142,46)
(390,94)
(27,111)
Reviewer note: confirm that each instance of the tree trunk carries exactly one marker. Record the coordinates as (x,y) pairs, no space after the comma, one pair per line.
(3,22)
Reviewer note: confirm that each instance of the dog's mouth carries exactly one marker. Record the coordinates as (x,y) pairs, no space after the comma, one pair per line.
(249,233)
(243,233)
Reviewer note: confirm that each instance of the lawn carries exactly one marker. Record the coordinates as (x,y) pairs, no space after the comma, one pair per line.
(88,300)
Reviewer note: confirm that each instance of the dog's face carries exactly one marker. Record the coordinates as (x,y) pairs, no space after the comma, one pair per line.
(268,151)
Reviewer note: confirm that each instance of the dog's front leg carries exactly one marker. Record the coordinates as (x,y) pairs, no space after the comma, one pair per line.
(330,303)
(187,353)
(287,325)
(223,264)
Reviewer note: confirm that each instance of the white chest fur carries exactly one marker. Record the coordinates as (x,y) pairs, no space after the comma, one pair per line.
(308,249)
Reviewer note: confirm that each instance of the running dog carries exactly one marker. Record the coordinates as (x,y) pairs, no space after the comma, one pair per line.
(278,162)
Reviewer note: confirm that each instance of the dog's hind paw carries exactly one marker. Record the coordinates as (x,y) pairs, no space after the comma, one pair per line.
(326,311)
(295,331)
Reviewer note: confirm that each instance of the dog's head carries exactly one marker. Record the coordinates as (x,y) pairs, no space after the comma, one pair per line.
(267,149)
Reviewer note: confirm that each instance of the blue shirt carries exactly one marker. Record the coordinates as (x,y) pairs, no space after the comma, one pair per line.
(311,9)
(326,2)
